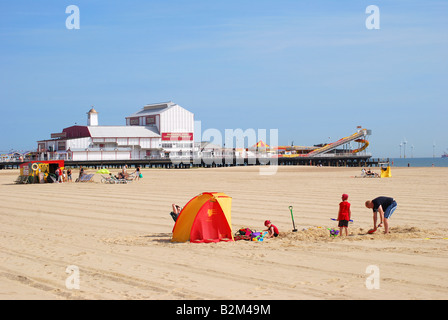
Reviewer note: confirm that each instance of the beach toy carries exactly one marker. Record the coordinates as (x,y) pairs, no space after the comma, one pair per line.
(292,217)
(262,236)
(255,235)
(337,220)
(259,236)
(371,231)
(333,233)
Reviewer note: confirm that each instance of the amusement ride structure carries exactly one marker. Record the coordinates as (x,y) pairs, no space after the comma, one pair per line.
(332,149)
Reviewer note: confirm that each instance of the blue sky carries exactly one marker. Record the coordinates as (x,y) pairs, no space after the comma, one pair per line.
(310,69)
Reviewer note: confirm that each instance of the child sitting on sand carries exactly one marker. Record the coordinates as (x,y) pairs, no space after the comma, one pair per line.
(271,229)
(344,214)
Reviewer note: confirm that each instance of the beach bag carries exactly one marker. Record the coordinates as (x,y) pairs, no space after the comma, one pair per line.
(244,231)
(243,234)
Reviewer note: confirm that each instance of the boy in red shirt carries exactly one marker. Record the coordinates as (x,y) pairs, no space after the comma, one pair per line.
(344,214)
(271,229)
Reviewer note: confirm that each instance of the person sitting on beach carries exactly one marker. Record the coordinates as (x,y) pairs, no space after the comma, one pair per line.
(271,229)
(112,176)
(369,173)
(122,175)
(176,211)
(385,206)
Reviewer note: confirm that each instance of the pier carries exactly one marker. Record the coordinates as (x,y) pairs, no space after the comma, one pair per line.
(179,163)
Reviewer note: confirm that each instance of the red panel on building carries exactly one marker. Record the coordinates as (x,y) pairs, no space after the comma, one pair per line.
(77,132)
(177,136)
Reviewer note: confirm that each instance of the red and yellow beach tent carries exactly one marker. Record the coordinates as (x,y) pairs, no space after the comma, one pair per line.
(205,218)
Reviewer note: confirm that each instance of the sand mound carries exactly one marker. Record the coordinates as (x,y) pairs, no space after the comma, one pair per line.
(309,234)
(360,234)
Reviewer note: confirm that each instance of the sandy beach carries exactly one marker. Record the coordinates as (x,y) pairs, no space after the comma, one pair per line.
(118,236)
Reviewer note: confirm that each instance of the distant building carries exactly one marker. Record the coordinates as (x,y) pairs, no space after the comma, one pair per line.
(156,131)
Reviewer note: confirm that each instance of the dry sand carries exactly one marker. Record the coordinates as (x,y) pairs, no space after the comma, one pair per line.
(119,237)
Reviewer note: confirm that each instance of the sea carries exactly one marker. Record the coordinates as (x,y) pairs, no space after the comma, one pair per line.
(419,162)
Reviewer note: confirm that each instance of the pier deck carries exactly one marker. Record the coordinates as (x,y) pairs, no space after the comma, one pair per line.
(340,161)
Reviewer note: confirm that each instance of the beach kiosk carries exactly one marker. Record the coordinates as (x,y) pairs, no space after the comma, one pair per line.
(39,171)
